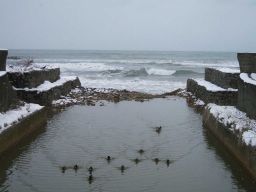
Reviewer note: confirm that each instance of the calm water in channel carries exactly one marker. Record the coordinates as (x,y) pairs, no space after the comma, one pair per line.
(86,135)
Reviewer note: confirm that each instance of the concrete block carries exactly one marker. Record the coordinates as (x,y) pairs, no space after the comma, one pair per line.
(223,79)
(3,57)
(247,62)
(222,97)
(30,79)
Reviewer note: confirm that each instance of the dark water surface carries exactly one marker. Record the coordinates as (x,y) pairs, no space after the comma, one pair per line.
(85,135)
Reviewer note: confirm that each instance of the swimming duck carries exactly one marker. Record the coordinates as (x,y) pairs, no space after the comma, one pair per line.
(90,170)
(141,151)
(122,168)
(156,160)
(63,169)
(168,162)
(158,129)
(108,158)
(75,167)
(136,160)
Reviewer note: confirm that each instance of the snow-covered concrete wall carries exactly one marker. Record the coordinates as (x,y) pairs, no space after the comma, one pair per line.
(234,140)
(247,95)
(247,62)
(30,79)
(3,57)
(47,92)
(225,78)
(8,96)
(211,93)
(22,128)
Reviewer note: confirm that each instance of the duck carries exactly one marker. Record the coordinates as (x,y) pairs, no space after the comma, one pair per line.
(136,160)
(90,169)
(75,167)
(108,158)
(141,151)
(158,129)
(122,168)
(168,162)
(156,160)
(63,169)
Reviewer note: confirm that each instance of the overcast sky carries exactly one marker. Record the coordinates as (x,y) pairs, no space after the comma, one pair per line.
(218,25)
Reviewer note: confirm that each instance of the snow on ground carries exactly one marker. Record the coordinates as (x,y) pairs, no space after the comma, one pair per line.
(211,87)
(236,120)
(13,116)
(23,68)
(228,70)
(47,85)
(2,73)
(247,79)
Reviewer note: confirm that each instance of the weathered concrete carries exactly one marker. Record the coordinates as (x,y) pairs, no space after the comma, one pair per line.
(217,97)
(224,80)
(247,62)
(8,96)
(245,154)
(247,98)
(3,57)
(34,78)
(46,97)
(10,137)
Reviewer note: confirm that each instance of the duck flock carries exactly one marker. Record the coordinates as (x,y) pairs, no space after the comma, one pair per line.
(122,168)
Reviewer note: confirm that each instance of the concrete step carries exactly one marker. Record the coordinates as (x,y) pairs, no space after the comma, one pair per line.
(45,93)
(33,78)
(211,93)
(247,94)
(223,77)
(8,96)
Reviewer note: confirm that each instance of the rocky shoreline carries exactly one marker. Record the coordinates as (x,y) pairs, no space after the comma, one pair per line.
(90,96)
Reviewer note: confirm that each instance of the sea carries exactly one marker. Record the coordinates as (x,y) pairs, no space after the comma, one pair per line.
(152,72)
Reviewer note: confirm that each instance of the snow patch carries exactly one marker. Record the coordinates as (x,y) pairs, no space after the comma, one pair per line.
(249,138)
(211,87)
(13,116)
(47,85)
(245,77)
(228,70)
(236,120)
(2,73)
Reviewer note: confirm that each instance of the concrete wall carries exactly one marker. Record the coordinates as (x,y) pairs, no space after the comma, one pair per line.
(219,98)
(46,97)
(10,137)
(33,78)
(8,96)
(245,154)
(224,80)
(3,57)
(247,98)
(247,62)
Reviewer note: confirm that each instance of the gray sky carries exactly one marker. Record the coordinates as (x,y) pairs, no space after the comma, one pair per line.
(220,25)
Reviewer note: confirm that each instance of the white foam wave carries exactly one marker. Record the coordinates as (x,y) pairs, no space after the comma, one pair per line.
(154,71)
(147,86)
(97,67)
(198,64)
